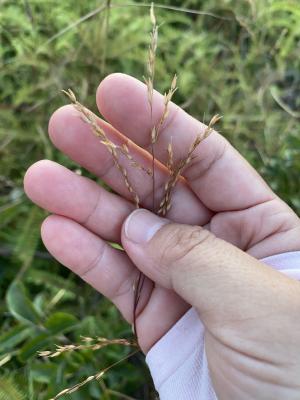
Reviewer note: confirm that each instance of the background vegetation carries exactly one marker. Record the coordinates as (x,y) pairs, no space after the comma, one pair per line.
(240,60)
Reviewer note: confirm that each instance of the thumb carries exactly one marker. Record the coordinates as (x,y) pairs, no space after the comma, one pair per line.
(222,282)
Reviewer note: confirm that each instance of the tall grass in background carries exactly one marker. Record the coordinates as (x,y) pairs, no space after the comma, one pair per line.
(237,58)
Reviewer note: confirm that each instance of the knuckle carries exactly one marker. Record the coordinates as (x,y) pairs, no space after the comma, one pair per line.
(124,287)
(199,166)
(93,210)
(180,242)
(95,263)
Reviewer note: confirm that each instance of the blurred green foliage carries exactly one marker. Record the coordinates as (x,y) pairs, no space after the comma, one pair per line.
(240,60)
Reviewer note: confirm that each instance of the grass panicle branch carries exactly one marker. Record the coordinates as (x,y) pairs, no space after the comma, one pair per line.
(150,87)
(167,99)
(176,171)
(89,118)
(152,58)
(96,377)
(89,344)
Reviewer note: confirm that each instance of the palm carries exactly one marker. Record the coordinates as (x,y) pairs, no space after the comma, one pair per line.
(219,190)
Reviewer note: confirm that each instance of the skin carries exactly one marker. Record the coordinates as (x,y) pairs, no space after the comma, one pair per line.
(223,218)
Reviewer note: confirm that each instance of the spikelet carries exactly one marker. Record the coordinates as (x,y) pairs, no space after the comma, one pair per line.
(170,161)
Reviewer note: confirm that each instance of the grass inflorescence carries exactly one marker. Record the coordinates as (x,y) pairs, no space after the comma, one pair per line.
(175,171)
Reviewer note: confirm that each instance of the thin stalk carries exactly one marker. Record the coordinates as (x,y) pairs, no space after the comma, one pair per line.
(138,287)
(105,35)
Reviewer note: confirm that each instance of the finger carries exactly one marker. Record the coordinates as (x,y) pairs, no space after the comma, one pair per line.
(263,230)
(218,174)
(74,137)
(106,269)
(60,191)
(111,273)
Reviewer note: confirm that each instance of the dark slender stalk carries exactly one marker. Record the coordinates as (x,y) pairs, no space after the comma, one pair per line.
(137,295)
(153,177)
(150,82)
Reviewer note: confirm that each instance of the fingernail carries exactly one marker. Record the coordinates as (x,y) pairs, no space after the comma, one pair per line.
(141,226)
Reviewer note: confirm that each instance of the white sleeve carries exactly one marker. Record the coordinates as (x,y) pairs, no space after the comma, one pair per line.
(178,363)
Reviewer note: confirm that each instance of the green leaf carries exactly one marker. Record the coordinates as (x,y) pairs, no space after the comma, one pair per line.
(56,324)
(9,389)
(20,305)
(60,322)
(13,337)
(49,279)
(43,372)
(29,236)
(31,347)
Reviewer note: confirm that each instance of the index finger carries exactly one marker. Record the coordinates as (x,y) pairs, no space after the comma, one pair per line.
(221,178)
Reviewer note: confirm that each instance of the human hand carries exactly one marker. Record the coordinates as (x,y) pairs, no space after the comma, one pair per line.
(219,191)
(250,314)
